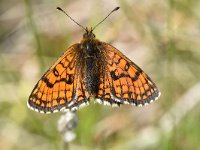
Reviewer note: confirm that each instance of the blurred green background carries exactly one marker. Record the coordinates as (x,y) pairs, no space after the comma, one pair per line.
(162,37)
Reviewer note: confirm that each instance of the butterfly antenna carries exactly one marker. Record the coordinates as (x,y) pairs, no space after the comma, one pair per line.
(106,17)
(71,18)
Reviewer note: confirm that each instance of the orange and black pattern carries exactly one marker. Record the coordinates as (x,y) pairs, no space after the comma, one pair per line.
(125,82)
(91,70)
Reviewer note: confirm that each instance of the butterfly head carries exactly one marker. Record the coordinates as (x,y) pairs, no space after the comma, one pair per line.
(89,34)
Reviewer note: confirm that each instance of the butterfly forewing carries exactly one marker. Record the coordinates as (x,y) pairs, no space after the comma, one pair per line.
(124,82)
(61,87)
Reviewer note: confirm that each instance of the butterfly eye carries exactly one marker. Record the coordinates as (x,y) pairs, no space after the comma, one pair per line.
(85,35)
(92,35)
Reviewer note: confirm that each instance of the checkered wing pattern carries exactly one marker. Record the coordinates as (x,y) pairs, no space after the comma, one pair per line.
(61,87)
(124,82)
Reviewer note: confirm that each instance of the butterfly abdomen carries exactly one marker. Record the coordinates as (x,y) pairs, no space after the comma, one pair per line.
(91,54)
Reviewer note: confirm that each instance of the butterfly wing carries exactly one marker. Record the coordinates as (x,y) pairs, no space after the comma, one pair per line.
(124,82)
(61,87)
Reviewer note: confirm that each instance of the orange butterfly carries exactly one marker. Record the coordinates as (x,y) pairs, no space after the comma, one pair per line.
(91,70)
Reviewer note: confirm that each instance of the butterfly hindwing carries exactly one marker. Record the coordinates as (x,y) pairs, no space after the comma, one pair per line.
(125,82)
(61,87)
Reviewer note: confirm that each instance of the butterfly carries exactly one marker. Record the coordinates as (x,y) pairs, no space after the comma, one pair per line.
(91,70)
